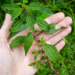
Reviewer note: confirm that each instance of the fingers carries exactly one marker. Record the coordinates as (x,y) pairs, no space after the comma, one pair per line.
(59,36)
(52,19)
(65,22)
(60,45)
(6,26)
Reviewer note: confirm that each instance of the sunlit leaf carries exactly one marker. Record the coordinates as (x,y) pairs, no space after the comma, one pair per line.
(40,51)
(28,40)
(17,41)
(35,6)
(16,26)
(42,24)
(32,64)
(25,1)
(16,13)
(9,6)
(52,28)
(30,22)
(52,53)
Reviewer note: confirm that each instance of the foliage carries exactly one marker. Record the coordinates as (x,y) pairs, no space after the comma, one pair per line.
(36,11)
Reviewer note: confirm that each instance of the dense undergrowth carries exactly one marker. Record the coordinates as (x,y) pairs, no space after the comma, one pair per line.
(67,65)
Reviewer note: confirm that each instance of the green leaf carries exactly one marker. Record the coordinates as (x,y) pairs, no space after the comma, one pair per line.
(30,22)
(43,58)
(34,52)
(35,57)
(16,26)
(28,8)
(37,66)
(42,24)
(32,64)
(17,41)
(25,1)
(39,44)
(35,6)
(40,51)
(16,13)
(52,53)
(9,6)
(42,40)
(52,28)
(42,15)
(12,1)
(40,62)
(19,3)
(28,42)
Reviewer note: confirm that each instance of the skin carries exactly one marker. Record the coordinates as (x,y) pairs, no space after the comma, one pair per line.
(16,63)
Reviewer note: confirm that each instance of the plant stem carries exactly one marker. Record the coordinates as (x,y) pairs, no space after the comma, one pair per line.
(36,37)
(45,55)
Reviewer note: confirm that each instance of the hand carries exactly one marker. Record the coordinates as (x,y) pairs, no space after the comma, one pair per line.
(16,63)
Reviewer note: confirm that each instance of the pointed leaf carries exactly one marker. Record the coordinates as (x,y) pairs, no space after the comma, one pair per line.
(35,6)
(9,6)
(17,41)
(35,57)
(42,24)
(52,28)
(37,67)
(32,64)
(39,44)
(25,1)
(40,51)
(52,53)
(16,13)
(19,3)
(34,52)
(40,62)
(30,22)
(43,58)
(16,26)
(28,42)
(28,8)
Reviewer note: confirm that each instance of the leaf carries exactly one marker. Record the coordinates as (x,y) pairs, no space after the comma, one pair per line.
(40,51)
(28,8)
(28,42)
(30,22)
(12,1)
(16,13)
(25,1)
(40,62)
(34,52)
(42,24)
(39,44)
(19,3)
(43,58)
(35,57)
(52,53)
(37,66)
(35,6)
(32,64)
(9,6)
(52,28)
(42,40)
(42,15)
(16,26)
(17,41)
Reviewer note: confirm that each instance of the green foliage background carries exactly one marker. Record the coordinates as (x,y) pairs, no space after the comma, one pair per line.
(68,52)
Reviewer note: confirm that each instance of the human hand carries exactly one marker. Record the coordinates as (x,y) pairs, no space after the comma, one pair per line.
(16,63)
